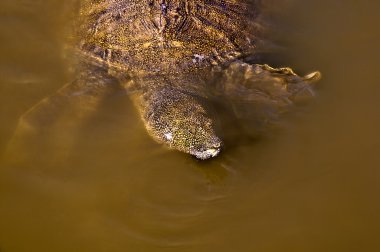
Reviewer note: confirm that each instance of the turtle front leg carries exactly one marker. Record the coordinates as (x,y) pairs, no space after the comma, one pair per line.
(260,93)
(52,122)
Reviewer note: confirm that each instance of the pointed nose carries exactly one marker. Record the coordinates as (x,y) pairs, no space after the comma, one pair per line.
(213,152)
(209,153)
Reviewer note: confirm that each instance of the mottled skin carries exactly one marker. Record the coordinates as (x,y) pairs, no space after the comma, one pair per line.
(165,53)
(168,37)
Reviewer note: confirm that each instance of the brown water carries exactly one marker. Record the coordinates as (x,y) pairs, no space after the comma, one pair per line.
(106,186)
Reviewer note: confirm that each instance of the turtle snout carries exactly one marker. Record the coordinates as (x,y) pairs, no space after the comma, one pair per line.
(208,152)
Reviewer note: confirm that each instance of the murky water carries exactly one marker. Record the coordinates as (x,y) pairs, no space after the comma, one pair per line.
(104,185)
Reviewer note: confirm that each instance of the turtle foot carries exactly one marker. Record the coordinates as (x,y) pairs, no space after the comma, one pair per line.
(260,93)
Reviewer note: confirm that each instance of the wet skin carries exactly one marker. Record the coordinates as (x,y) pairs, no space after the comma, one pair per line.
(170,55)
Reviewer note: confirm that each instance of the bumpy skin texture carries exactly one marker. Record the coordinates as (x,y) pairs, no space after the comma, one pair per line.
(168,47)
(168,36)
(166,53)
(181,122)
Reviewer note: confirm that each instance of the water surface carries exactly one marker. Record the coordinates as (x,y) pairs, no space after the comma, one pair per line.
(104,185)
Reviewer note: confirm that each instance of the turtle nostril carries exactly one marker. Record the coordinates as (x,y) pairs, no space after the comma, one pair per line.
(217,145)
(213,152)
(206,154)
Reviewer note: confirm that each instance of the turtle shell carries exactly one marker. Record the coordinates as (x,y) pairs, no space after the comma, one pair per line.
(163,36)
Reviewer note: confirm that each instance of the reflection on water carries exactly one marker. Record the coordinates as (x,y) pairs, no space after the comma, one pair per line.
(103,185)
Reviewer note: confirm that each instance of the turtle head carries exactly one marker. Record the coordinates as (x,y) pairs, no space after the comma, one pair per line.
(200,138)
(179,120)
(195,135)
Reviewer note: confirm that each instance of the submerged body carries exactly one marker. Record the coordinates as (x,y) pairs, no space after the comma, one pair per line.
(172,56)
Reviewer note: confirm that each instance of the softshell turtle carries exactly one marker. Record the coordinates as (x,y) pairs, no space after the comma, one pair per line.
(173,56)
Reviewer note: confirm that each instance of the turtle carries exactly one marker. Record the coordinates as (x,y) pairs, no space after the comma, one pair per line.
(173,57)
